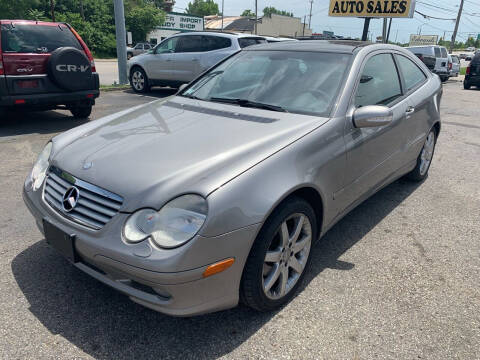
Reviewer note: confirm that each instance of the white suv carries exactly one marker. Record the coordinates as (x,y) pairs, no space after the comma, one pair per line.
(181,58)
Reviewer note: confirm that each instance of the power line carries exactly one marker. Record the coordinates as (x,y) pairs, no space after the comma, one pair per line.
(432,17)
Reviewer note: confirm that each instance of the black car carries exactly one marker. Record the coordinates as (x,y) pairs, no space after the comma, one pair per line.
(472,76)
(46,65)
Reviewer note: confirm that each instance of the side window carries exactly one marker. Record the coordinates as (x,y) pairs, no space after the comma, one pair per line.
(146,47)
(444,52)
(190,43)
(139,47)
(411,72)
(215,42)
(437,52)
(455,60)
(379,83)
(167,46)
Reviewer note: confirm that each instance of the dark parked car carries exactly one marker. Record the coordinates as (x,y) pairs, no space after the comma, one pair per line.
(472,76)
(46,65)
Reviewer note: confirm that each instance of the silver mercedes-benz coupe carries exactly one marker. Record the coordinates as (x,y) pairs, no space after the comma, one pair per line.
(191,203)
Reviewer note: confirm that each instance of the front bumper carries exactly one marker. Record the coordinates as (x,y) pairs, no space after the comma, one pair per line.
(168,281)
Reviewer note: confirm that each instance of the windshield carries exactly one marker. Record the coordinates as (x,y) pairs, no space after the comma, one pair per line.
(297,82)
(36,38)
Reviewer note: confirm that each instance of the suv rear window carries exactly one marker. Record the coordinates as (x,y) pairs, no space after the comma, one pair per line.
(444,52)
(21,38)
(249,41)
(437,52)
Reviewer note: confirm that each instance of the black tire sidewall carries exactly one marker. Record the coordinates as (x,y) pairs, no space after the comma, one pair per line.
(251,289)
(146,85)
(415,174)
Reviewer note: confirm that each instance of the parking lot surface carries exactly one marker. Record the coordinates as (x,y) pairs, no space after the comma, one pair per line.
(398,278)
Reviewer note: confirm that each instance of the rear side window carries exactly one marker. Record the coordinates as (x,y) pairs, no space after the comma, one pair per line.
(444,52)
(190,43)
(215,43)
(411,73)
(36,38)
(437,52)
(455,60)
(249,41)
(379,83)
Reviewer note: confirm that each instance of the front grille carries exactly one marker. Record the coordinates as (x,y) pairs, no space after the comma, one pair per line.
(95,206)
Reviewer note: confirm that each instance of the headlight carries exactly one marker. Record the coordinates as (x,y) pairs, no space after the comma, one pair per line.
(37,175)
(172,226)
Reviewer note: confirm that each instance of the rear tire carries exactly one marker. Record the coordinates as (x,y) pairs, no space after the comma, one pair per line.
(444,79)
(424,159)
(139,80)
(280,256)
(81,112)
(466,85)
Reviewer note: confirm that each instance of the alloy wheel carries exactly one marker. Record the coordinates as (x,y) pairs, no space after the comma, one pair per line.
(427,153)
(138,80)
(287,256)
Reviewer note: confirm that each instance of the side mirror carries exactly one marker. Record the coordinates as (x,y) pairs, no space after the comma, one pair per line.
(181,87)
(372,116)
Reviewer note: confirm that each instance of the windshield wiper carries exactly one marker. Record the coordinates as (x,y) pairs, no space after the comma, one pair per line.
(248,103)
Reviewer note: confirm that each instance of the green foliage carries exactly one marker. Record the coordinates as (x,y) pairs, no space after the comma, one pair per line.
(17,9)
(248,13)
(202,8)
(35,14)
(269,10)
(143,19)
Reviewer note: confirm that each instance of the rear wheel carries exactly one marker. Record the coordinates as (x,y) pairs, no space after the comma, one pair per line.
(424,160)
(466,85)
(280,256)
(139,80)
(81,112)
(444,78)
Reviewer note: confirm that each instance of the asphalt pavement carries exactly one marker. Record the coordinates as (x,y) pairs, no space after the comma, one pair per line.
(398,278)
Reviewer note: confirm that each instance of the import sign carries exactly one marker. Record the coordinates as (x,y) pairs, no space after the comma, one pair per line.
(419,40)
(182,22)
(373,8)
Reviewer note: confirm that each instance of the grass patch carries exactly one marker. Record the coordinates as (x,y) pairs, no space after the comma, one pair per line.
(114,87)
(463,71)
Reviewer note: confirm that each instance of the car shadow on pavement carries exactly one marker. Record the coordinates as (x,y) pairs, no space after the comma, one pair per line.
(21,122)
(107,325)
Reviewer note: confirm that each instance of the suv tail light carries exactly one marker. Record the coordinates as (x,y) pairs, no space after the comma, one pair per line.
(1,65)
(449,66)
(468,70)
(85,48)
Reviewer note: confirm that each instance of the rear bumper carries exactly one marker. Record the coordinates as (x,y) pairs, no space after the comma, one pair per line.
(50,99)
(472,80)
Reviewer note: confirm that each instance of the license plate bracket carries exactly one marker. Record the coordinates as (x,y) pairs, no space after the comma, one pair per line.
(61,241)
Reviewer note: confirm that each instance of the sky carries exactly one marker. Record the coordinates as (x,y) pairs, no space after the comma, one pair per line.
(352,27)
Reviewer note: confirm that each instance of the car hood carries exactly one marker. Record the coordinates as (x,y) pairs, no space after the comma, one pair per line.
(166,148)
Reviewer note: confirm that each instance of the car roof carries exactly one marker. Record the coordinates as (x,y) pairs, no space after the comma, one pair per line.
(218,33)
(31,22)
(340,46)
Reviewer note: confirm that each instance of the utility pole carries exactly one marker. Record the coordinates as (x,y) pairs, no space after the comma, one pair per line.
(366,25)
(82,13)
(310,16)
(304,21)
(121,41)
(384,31)
(52,9)
(452,43)
(256,16)
(223,14)
(389,28)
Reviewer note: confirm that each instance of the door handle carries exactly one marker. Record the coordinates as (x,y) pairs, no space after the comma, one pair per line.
(194,59)
(410,110)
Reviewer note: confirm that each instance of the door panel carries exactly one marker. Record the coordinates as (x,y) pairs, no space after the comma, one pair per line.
(373,154)
(160,65)
(189,51)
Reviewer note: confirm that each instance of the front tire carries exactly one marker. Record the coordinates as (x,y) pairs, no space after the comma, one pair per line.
(424,160)
(139,80)
(280,256)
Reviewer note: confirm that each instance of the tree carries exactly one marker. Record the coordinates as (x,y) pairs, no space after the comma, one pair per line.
(143,19)
(202,8)
(269,10)
(248,13)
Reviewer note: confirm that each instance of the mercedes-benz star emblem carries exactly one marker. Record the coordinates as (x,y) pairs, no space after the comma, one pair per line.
(70,198)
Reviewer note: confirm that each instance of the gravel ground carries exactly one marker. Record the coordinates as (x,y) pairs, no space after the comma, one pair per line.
(398,278)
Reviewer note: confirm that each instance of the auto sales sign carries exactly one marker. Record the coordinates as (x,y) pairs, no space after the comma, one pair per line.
(373,8)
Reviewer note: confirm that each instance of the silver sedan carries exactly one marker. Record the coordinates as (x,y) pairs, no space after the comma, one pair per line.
(190,204)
